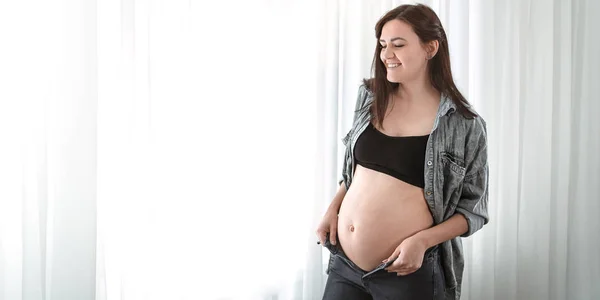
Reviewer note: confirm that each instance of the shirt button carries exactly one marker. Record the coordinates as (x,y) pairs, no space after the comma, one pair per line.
(429,163)
(429,193)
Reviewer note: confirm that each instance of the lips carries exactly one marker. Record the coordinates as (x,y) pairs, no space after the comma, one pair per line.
(392,65)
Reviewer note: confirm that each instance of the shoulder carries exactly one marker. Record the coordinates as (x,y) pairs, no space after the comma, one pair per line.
(473,128)
(365,94)
(466,135)
(367,85)
(471,120)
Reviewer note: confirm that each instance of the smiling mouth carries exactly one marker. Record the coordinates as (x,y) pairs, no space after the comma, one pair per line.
(391,66)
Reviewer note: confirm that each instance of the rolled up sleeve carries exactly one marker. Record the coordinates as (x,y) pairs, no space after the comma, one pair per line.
(474,200)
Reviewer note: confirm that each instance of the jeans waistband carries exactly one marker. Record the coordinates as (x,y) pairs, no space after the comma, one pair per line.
(430,253)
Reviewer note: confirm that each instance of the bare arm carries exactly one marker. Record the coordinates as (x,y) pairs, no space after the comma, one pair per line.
(336,203)
(328,224)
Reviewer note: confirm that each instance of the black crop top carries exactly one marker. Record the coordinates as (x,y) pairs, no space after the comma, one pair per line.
(400,157)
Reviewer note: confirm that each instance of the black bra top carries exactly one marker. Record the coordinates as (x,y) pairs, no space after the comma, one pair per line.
(400,157)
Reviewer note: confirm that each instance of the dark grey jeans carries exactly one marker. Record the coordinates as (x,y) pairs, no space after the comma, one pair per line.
(347,281)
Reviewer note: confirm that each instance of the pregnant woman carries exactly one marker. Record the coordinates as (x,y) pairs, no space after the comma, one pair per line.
(415,173)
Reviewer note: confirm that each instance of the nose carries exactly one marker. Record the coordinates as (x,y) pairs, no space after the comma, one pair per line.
(385,53)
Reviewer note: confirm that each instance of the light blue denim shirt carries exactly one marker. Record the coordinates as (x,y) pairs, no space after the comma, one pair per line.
(456,175)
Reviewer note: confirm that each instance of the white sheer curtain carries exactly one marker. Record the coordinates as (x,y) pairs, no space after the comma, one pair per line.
(205,148)
(48,98)
(534,75)
(186,149)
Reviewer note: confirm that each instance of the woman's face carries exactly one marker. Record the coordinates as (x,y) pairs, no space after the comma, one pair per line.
(402,53)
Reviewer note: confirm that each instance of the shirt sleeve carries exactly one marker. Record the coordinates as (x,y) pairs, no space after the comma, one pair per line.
(359,103)
(473,202)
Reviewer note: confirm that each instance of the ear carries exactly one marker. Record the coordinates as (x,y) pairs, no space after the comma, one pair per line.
(432,48)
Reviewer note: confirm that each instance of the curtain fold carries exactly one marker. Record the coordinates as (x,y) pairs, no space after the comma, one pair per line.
(48,98)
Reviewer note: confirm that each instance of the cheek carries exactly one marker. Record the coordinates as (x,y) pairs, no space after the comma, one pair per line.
(413,59)
(406,56)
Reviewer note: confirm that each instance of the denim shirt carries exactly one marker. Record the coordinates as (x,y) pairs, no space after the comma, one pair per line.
(456,175)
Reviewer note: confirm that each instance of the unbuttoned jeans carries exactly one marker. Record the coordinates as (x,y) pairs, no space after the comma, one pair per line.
(347,281)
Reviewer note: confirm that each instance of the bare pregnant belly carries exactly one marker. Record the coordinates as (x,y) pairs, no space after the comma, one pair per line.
(377,214)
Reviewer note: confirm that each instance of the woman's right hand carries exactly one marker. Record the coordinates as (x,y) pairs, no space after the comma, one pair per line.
(329,225)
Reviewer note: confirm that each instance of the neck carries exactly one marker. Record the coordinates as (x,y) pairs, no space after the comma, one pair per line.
(417,91)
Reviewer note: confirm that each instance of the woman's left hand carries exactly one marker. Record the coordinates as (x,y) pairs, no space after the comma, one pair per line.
(408,256)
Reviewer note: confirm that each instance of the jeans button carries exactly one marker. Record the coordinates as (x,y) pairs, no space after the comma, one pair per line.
(429,193)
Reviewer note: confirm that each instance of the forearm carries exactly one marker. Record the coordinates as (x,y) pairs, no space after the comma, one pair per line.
(336,203)
(449,229)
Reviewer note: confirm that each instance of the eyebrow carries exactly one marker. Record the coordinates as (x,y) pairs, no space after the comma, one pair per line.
(396,38)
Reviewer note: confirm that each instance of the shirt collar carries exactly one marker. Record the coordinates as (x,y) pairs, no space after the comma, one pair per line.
(446,106)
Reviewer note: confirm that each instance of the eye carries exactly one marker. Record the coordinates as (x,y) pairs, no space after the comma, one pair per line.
(397,46)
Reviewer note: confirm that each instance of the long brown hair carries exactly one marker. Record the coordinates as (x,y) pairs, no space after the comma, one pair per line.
(428,27)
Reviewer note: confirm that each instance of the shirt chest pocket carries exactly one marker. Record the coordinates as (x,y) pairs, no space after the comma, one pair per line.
(451,175)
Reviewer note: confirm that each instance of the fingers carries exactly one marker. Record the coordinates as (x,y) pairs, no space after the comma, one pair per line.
(395,266)
(322,235)
(401,265)
(406,272)
(333,234)
(402,268)
(394,256)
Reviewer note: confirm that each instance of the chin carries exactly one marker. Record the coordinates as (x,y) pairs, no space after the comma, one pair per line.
(394,79)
